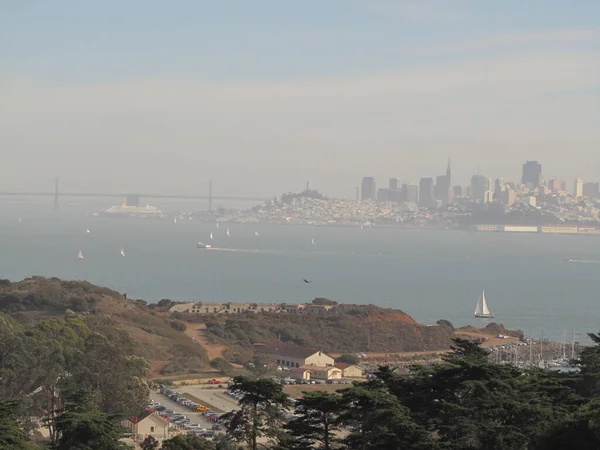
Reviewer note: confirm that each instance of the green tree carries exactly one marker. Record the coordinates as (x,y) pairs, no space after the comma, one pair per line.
(11,435)
(190,442)
(260,412)
(317,417)
(81,425)
(348,358)
(378,421)
(472,403)
(107,365)
(150,443)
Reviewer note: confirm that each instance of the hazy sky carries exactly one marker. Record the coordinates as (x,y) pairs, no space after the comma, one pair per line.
(262,95)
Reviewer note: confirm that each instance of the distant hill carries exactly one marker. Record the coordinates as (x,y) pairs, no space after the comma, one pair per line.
(348,328)
(159,339)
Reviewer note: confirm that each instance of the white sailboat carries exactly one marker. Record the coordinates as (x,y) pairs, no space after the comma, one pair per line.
(80,255)
(228,234)
(312,241)
(122,252)
(482,310)
(87,230)
(256,233)
(211,235)
(217,224)
(174,219)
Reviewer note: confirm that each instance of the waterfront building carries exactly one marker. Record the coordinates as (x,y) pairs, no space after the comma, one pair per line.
(532,174)
(368,189)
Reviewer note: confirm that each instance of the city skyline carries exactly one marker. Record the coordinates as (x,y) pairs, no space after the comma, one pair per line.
(280,92)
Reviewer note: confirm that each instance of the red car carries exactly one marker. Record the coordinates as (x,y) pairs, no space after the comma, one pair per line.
(213,381)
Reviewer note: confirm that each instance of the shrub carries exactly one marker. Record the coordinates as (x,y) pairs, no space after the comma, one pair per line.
(221,365)
(178,325)
(348,359)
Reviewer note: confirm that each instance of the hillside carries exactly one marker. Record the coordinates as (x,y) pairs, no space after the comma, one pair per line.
(183,343)
(158,339)
(349,328)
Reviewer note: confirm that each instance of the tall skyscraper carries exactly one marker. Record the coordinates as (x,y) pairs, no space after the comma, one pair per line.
(426,198)
(499,187)
(532,174)
(368,189)
(394,183)
(443,186)
(481,187)
(411,192)
(578,188)
(449,192)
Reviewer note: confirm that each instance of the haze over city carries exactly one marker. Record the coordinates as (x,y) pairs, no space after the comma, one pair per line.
(261,96)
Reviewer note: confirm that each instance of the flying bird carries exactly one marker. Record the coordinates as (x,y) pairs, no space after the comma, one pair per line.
(307,281)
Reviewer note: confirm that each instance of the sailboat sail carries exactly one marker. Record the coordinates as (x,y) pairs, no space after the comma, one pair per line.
(482,309)
(312,241)
(211,235)
(174,219)
(228,232)
(122,252)
(80,255)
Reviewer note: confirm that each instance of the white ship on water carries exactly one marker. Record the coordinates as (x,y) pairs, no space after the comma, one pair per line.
(202,245)
(125,210)
(482,310)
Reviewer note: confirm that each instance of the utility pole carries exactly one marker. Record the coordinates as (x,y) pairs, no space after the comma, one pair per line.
(209,196)
(56,193)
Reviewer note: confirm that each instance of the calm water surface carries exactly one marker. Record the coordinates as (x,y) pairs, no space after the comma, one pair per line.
(428,274)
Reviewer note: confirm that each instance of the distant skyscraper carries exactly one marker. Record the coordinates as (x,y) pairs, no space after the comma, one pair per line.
(426,198)
(481,186)
(499,187)
(411,192)
(458,191)
(394,183)
(532,174)
(449,192)
(578,188)
(443,186)
(555,185)
(591,190)
(368,189)
(507,197)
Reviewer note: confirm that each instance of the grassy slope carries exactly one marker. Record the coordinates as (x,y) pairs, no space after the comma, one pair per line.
(35,298)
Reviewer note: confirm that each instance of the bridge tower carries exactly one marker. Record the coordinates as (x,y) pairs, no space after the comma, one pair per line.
(209,196)
(56,193)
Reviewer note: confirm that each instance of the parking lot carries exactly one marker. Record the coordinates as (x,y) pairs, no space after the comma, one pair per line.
(182,413)
(212,397)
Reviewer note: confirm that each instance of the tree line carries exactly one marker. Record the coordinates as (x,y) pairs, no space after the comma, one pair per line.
(76,376)
(465,402)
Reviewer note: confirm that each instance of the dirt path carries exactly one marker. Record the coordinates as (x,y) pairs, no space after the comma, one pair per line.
(198,331)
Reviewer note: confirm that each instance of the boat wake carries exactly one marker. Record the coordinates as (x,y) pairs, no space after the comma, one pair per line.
(248,250)
(583,261)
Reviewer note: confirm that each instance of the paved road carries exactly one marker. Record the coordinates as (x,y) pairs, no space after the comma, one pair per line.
(212,397)
(194,417)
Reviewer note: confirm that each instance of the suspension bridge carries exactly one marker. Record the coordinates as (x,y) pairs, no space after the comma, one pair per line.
(131,199)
